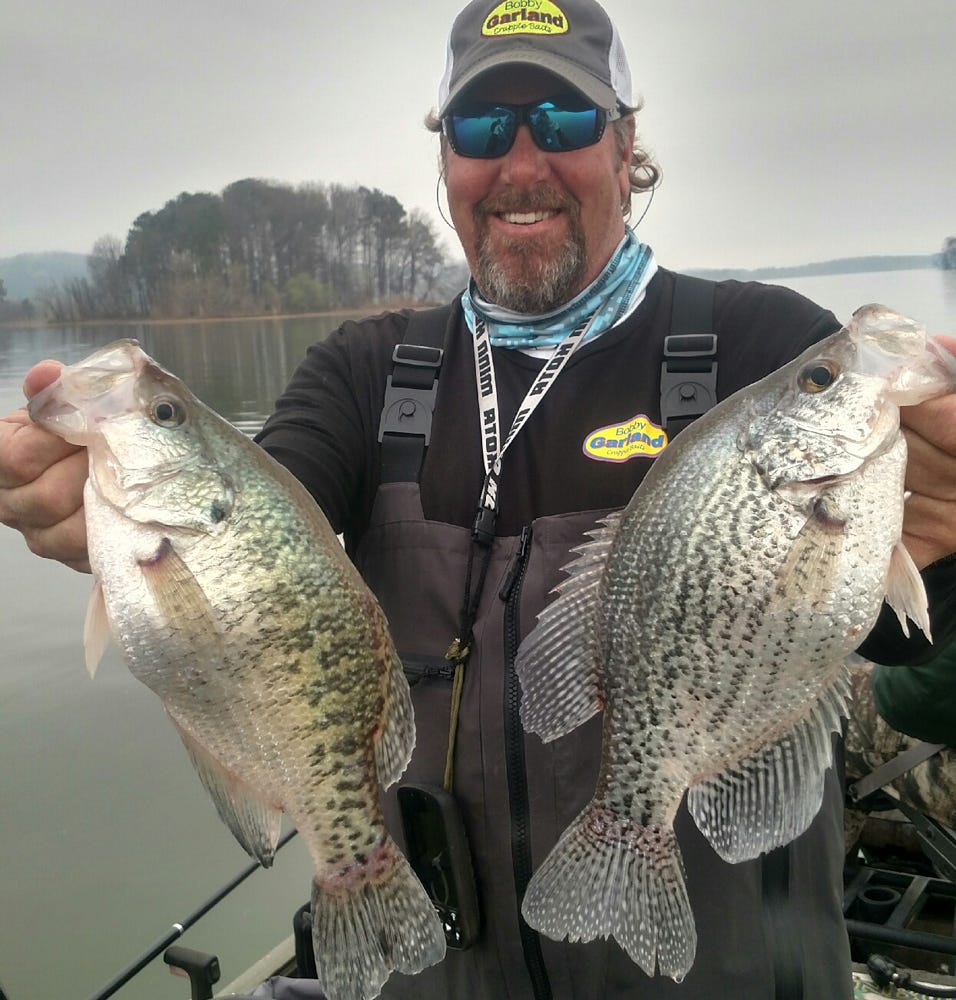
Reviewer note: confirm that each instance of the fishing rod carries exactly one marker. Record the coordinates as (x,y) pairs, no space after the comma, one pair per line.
(181,926)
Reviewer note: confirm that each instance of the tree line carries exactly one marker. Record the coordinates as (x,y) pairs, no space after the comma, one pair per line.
(258,247)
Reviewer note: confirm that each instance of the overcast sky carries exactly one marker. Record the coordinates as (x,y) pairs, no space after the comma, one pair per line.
(786,132)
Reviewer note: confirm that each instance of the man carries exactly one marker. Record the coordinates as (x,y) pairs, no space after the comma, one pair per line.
(464,548)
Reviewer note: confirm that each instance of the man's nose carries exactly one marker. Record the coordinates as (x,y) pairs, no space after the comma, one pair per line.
(525,161)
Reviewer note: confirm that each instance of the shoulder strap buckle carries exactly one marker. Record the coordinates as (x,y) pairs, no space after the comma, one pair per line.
(410,391)
(689,368)
(688,379)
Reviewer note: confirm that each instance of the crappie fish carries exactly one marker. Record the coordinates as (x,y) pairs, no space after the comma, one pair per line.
(231,598)
(711,620)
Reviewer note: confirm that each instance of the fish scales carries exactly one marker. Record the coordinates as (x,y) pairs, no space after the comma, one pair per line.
(232,599)
(752,560)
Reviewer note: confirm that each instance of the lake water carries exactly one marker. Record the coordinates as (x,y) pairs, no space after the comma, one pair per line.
(107,836)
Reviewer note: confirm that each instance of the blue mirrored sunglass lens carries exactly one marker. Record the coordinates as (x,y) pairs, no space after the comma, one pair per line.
(490,134)
(557,129)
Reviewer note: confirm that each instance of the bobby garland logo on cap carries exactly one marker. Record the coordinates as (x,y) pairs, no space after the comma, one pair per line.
(525,16)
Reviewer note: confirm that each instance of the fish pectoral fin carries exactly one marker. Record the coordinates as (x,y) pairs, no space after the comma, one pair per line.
(179,596)
(253,822)
(558,662)
(771,796)
(810,569)
(96,628)
(905,592)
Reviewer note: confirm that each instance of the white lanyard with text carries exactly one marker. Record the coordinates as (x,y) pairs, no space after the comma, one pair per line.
(484,529)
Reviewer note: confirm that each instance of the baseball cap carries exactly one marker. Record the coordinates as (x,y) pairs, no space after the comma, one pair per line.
(573,39)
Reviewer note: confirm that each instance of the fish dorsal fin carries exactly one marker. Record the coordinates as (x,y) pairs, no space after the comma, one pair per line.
(96,628)
(770,797)
(395,740)
(253,822)
(905,592)
(558,663)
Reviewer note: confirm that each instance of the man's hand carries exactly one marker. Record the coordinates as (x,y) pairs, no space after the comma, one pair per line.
(41,481)
(929,520)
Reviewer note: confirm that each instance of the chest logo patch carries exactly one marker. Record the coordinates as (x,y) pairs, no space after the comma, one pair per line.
(638,437)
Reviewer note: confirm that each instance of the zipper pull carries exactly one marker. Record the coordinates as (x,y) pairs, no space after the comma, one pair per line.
(517,563)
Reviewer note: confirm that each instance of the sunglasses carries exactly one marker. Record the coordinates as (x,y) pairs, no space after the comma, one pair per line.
(558,125)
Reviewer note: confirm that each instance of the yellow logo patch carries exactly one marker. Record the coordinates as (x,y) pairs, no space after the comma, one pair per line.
(619,442)
(514,17)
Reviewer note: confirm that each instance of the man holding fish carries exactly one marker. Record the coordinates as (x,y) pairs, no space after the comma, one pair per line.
(709,620)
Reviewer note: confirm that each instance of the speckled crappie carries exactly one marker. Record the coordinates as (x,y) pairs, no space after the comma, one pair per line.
(711,621)
(232,599)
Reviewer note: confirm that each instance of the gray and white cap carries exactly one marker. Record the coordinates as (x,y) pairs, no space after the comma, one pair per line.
(573,39)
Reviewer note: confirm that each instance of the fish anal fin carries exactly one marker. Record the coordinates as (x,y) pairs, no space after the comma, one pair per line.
(772,796)
(254,823)
(96,628)
(905,592)
(558,663)
(609,877)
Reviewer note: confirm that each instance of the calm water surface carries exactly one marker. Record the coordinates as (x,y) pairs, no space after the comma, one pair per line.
(108,837)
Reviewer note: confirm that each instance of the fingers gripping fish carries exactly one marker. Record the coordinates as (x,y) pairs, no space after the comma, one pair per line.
(232,599)
(711,620)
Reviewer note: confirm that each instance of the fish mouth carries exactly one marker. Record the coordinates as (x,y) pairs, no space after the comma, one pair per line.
(70,406)
(51,411)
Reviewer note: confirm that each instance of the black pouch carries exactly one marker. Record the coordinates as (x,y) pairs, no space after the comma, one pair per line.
(437,849)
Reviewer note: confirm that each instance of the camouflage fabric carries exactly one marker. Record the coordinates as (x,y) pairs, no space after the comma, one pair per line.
(863,988)
(929,787)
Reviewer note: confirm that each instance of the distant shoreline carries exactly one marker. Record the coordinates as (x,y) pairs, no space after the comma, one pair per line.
(46,324)
(842,265)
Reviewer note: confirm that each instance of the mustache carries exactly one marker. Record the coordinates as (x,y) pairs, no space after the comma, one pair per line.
(537,199)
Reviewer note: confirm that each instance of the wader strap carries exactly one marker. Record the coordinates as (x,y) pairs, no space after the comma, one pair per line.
(689,368)
(785,951)
(410,393)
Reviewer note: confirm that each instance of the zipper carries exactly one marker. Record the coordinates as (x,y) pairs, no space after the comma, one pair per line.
(418,667)
(510,593)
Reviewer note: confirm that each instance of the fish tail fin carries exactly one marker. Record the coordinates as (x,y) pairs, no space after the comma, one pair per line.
(369,920)
(609,877)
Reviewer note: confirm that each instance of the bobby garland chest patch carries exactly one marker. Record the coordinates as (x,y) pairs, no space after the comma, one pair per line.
(638,437)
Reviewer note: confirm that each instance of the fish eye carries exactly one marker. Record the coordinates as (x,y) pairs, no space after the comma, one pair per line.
(167,412)
(818,376)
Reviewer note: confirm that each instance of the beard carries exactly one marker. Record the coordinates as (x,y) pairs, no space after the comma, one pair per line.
(524,274)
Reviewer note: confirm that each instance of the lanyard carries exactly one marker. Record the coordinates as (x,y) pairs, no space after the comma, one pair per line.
(484,528)
(483,533)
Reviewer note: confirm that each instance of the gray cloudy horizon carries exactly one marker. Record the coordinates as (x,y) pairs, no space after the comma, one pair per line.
(785,134)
